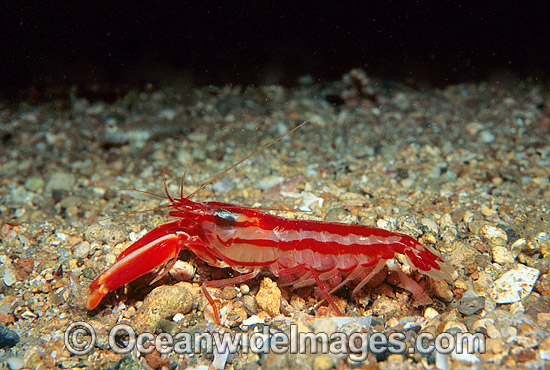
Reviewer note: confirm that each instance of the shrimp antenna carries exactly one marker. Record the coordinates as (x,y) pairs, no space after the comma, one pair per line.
(244,159)
(137,212)
(168,196)
(183,178)
(173,200)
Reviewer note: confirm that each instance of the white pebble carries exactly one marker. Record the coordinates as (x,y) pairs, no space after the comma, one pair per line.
(244,289)
(178,317)
(252,320)
(9,277)
(486,137)
(182,270)
(502,255)
(15,363)
(82,249)
(430,313)
(110,258)
(490,232)
(514,285)
(308,199)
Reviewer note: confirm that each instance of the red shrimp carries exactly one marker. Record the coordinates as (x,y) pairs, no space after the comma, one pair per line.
(249,241)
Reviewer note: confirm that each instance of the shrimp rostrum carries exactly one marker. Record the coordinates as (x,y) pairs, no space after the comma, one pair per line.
(301,252)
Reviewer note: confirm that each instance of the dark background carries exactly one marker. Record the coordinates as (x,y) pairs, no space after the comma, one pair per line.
(107,47)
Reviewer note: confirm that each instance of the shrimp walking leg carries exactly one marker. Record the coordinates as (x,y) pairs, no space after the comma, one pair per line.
(367,278)
(322,287)
(223,282)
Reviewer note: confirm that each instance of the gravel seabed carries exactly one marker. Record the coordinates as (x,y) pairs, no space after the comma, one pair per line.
(464,169)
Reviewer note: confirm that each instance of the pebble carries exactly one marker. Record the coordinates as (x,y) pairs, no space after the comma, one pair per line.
(385,306)
(336,215)
(228,292)
(544,349)
(61,181)
(455,327)
(250,305)
(484,281)
(518,245)
(446,221)
(96,109)
(326,326)
(69,364)
(543,318)
(517,308)
(286,308)
(486,137)
(269,182)
(468,216)
(269,297)
(249,362)
(475,225)
(510,334)
(431,224)
(286,361)
(163,303)
(472,128)
(167,114)
(543,265)
(182,270)
(462,254)
(104,234)
(15,363)
(34,183)
(253,320)
(470,305)
(110,259)
(492,330)
(493,233)
(441,289)
(127,363)
(480,325)
(463,356)
(178,317)
(298,303)
(8,337)
(245,289)
(430,313)
(323,362)
(543,285)
(9,276)
(184,156)
(490,305)
(514,285)
(502,255)
(309,200)
(19,195)
(543,240)
(487,212)
(82,249)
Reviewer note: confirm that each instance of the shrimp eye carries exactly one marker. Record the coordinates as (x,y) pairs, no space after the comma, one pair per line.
(225,217)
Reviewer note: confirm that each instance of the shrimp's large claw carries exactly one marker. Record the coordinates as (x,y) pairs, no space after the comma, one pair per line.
(96,295)
(157,250)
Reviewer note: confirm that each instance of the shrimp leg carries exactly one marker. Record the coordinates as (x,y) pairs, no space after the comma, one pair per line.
(223,282)
(311,270)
